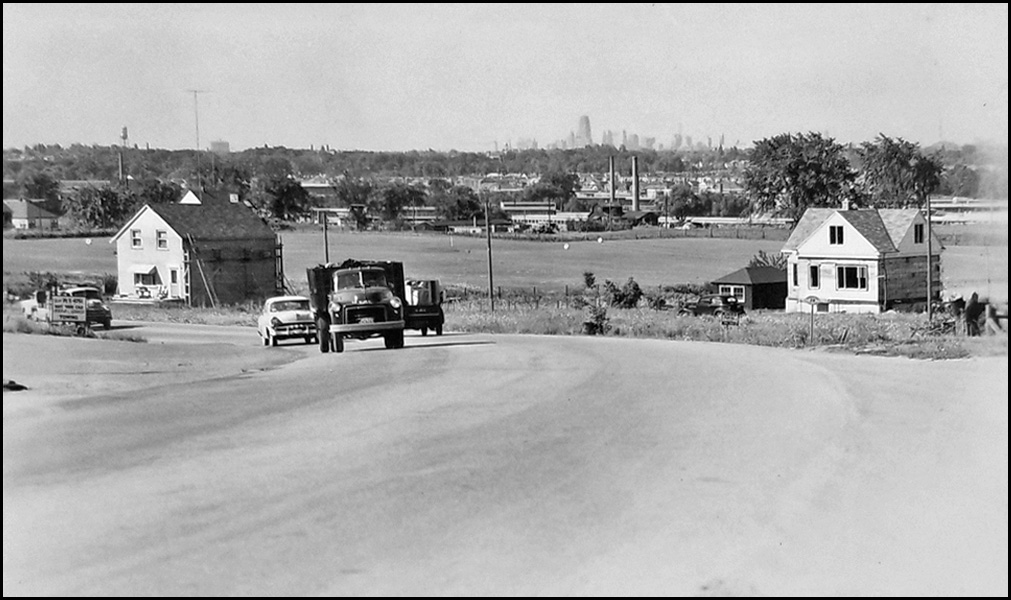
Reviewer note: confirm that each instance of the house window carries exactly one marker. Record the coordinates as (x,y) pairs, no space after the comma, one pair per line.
(162,238)
(851,278)
(796,275)
(835,235)
(918,233)
(814,273)
(174,276)
(145,278)
(737,291)
(135,239)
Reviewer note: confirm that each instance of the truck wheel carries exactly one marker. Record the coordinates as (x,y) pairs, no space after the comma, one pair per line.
(107,324)
(338,343)
(438,329)
(398,339)
(424,331)
(323,335)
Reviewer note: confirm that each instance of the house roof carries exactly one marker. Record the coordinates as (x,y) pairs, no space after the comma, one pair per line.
(809,222)
(883,228)
(753,276)
(26,209)
(870,225)
(214,219)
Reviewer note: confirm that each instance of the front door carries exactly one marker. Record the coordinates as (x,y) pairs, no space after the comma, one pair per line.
(174,283)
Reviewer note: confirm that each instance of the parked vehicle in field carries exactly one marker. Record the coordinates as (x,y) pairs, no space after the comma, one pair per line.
(357,299)
(81,305)
(718,305)
(423,306)
(286,317)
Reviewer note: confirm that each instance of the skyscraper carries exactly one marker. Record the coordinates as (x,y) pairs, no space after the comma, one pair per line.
(584,137)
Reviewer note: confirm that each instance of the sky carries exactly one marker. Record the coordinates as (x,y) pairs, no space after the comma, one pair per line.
(469,76)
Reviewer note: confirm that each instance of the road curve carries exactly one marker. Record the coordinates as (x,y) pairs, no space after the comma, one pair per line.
(510,465)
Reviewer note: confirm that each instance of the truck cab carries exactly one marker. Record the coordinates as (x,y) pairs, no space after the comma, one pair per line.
(423,306)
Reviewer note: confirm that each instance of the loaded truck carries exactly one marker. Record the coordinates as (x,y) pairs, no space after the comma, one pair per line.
(360,299)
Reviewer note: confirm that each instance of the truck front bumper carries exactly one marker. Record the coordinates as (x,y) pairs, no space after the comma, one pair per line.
(367,327)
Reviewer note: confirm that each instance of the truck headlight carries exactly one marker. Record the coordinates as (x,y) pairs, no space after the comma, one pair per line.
(395,303)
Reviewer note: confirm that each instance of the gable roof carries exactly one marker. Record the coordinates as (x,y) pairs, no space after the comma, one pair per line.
(753,276)
(809,222)
(869,224)
(884,228)
(26,209)
(213,219)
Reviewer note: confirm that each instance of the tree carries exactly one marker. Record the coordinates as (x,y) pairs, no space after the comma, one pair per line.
(288,198)
(154,191)
(103,207)
(459,203)
(393,199)
(789,173)
(556,187)
(776,260)
(895,173)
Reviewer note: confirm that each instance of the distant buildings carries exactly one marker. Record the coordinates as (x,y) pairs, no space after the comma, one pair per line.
(220,147)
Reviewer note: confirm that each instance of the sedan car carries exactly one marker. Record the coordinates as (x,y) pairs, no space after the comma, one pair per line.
(719,305)
(286,317)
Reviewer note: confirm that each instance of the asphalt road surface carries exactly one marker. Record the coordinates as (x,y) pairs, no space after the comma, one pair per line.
(202,464)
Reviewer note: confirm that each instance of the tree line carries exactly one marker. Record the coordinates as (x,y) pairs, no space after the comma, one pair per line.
(784,175)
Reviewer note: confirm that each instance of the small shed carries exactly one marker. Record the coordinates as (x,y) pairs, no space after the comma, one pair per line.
(756,287)
(29,214)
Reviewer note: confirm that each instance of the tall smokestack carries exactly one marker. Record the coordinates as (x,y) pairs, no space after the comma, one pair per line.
(611,163)
(635,184)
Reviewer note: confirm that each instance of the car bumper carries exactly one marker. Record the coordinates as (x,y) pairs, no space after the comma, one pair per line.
(367,327)
(289,331)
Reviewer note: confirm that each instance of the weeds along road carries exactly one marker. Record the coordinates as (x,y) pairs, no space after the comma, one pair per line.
(498,465)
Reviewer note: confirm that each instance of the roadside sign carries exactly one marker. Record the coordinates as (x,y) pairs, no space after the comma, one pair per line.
(69,309)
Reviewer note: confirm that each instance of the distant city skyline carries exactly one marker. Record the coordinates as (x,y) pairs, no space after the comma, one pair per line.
(468,76)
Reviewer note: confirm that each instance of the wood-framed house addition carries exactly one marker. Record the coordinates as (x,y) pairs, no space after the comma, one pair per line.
(864,261)
(201,251)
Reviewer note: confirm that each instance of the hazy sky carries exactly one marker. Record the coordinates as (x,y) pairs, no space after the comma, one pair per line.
(401,77)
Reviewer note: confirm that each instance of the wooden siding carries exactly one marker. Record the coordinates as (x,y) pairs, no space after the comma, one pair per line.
(905,280)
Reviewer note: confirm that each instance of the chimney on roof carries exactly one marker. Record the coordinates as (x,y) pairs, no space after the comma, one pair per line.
(846,204)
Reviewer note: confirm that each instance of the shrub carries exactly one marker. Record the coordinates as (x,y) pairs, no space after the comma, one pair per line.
(627,296)
(596,322)
(589,279)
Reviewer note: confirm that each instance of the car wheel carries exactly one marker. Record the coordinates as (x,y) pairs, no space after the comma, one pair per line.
(272,339)
(310,339)
(684,313)
(263,339)
(338,343)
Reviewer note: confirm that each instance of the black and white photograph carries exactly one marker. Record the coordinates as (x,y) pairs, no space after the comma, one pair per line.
(508,300)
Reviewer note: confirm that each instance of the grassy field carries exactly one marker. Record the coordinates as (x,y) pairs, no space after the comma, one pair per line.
(549,266)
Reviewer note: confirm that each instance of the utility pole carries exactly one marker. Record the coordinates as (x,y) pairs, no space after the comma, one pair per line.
(930,272)
(491,277)
(196,121)
(326,238)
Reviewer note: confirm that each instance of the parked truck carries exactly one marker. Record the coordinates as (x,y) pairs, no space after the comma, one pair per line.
(360,299)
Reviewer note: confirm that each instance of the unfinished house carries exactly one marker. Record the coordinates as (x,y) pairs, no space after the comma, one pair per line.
(865,261)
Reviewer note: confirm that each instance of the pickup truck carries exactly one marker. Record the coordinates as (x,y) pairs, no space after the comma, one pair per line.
(40,306)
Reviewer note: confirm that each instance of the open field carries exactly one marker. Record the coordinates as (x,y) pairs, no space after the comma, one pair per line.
(463,260)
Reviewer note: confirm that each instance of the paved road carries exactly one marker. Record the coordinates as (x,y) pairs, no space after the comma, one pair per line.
(507,465)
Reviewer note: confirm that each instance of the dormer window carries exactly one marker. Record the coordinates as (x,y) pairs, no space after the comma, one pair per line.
(835,235)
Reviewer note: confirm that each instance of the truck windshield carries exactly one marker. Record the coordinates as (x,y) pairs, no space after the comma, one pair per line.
(361,279)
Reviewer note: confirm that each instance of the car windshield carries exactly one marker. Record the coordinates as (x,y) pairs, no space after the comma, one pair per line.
(284,305)
(361,279)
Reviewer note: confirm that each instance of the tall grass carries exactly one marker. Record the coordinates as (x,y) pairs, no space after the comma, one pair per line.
(14,323)
(890,334)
